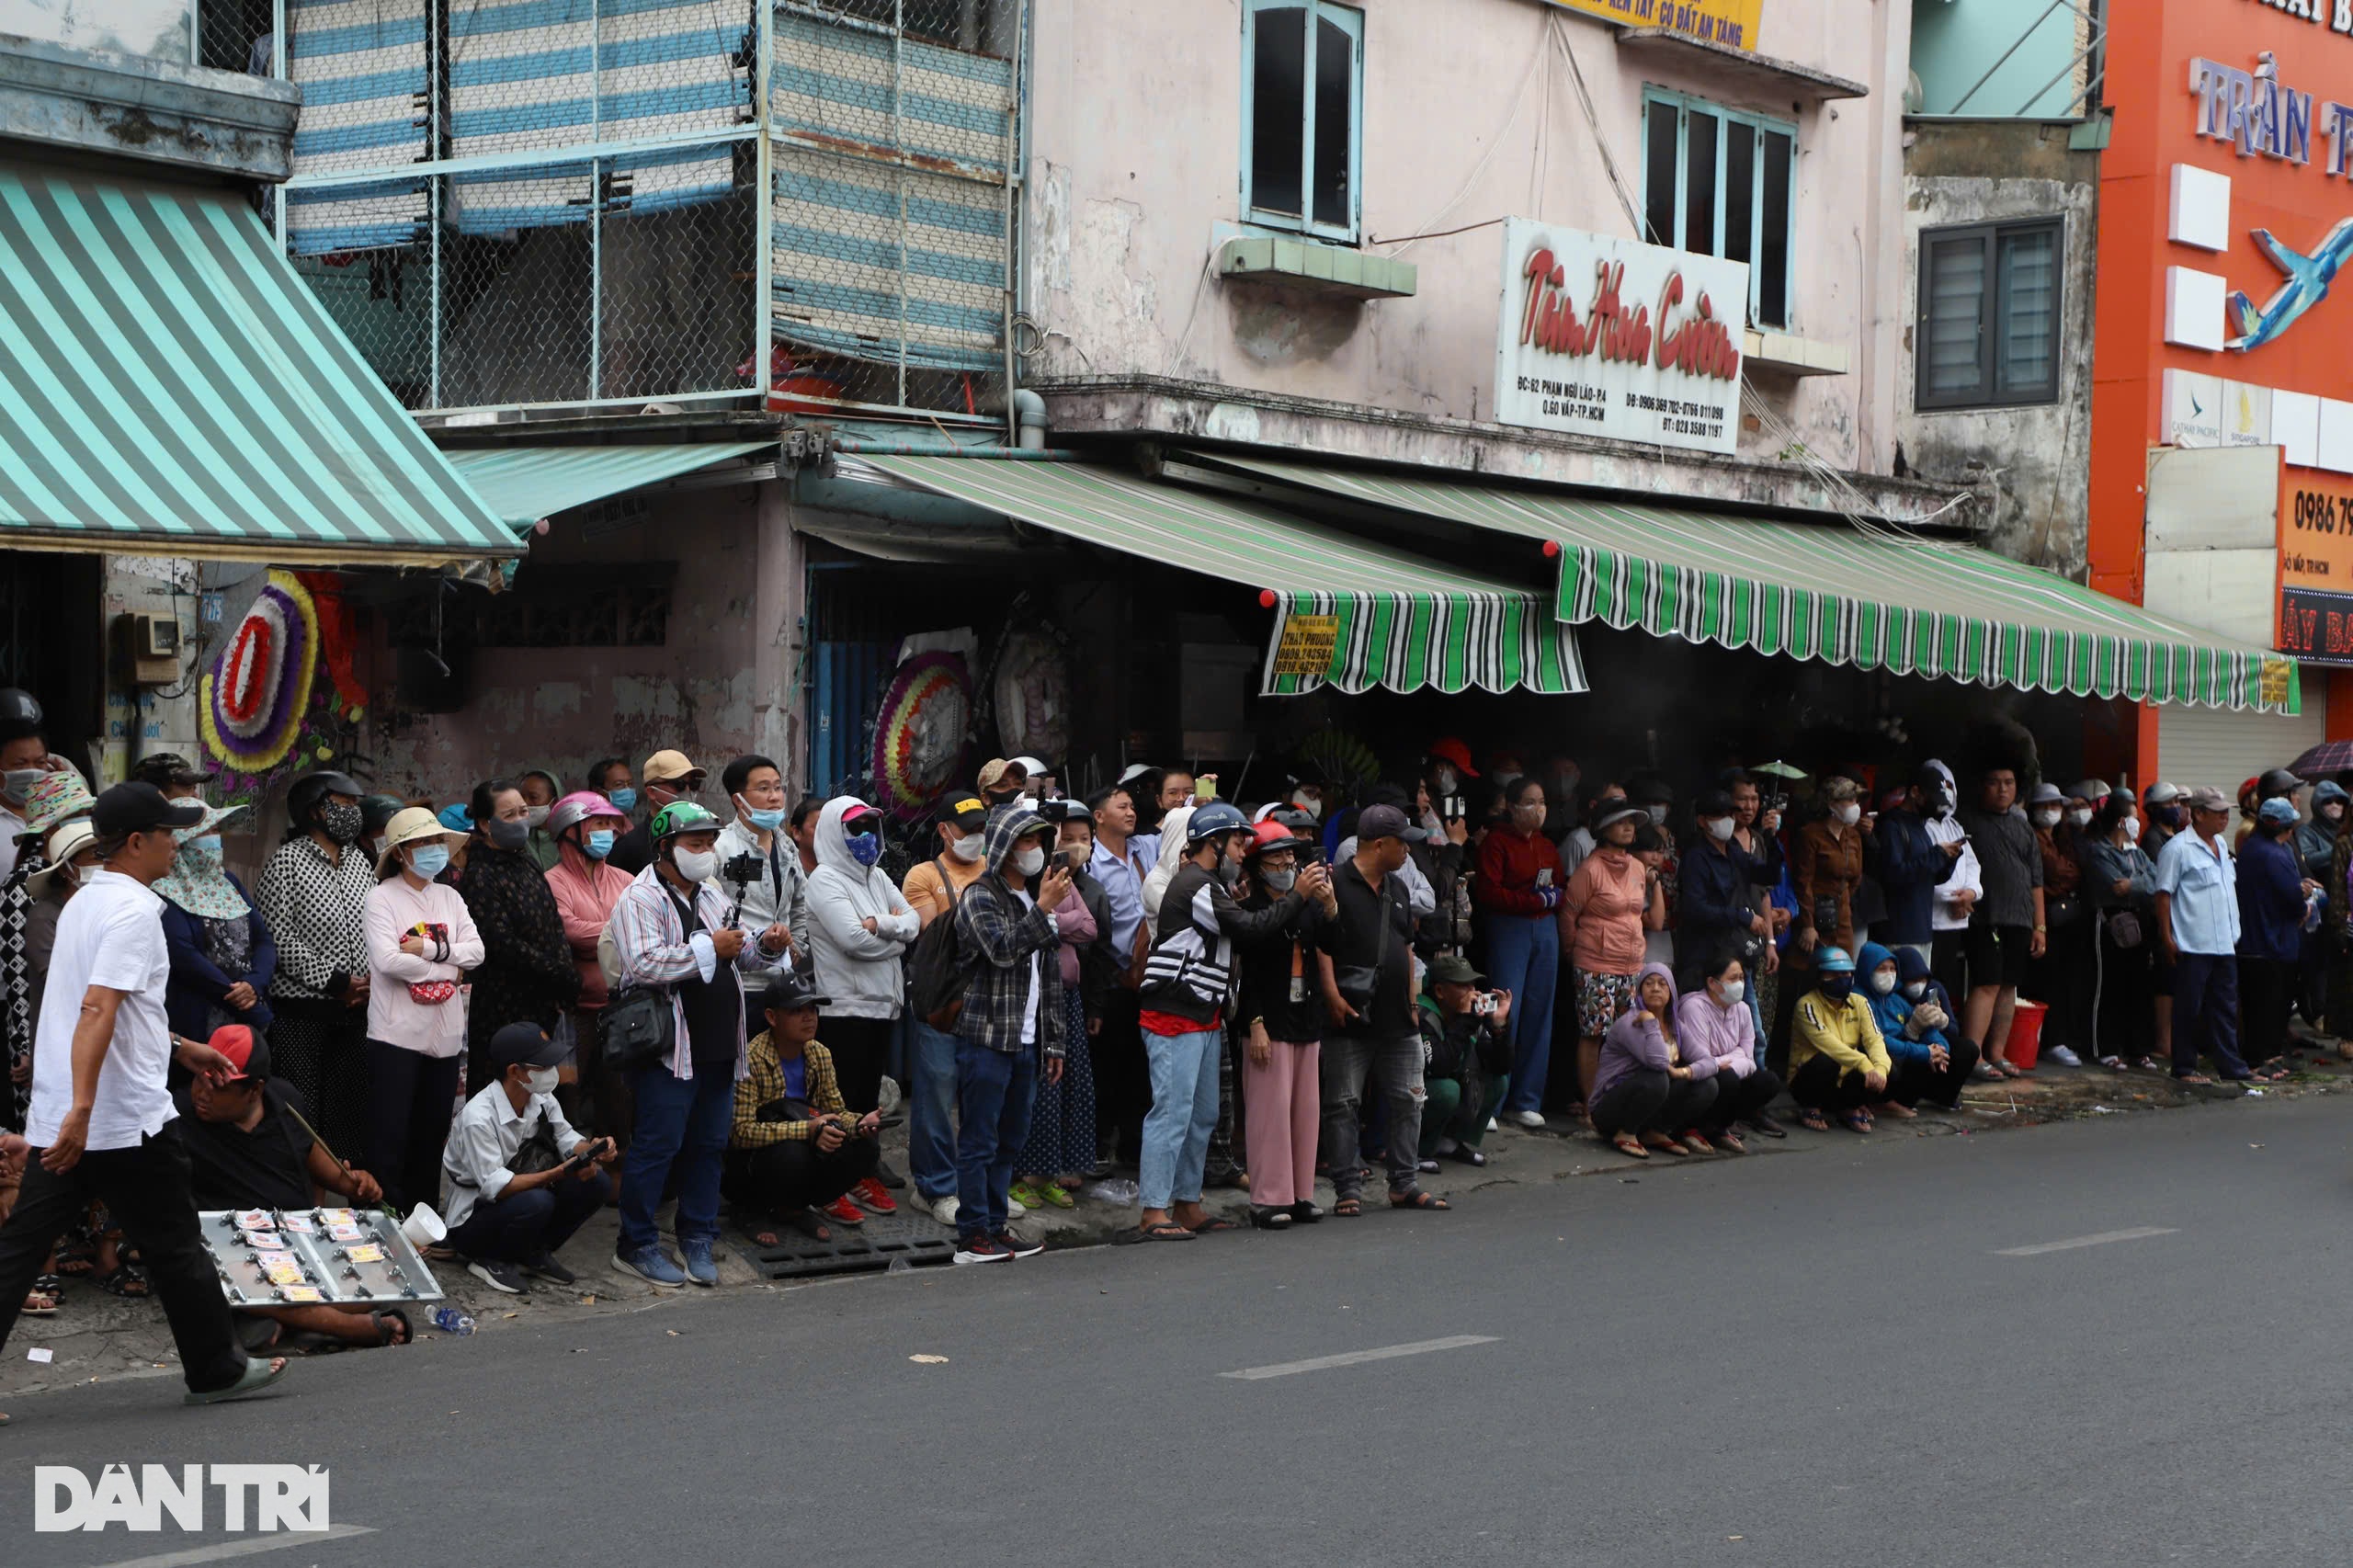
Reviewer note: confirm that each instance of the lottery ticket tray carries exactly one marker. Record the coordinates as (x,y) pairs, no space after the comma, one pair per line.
(335,1256)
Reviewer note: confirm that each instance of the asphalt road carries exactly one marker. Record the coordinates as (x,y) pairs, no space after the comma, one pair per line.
(1827,1359)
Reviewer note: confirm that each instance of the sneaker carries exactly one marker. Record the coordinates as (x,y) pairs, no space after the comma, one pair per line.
(842,1211)
(943,1208)
(701,1270)
(504,1277)
(876,1195)
(652,1265)
(1024,1195)
(547,1267)
(980,1249)
(1014,1246)
(2062,1055)
(1529,1119)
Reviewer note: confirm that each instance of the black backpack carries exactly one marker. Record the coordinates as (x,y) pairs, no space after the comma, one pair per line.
(939,970)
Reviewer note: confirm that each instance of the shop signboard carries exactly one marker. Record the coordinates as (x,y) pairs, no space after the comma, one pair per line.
(1611,337)
(1304,649)
(1732,23)
(2315,620)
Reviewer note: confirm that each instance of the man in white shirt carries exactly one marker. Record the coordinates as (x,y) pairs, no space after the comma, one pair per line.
(508,1222)
(1957,895)
(102,1123)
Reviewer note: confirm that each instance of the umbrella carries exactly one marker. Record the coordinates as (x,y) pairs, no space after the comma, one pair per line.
(1779,771)
(2329,757)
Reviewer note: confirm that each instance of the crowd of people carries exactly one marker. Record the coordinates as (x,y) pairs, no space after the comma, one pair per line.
(533,1002)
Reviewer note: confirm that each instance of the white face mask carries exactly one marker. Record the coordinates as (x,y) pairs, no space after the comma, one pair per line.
(1735,992)
(1312,804)
(967,848)
(1720,828)
(1883,980)
(2132,829)
(2079,818)
(698,865)
(535,816)
(1442,780)
(2046,819)
(1916,990)
(1658,812)
(1031,861)
(1848,814)
(542,1080)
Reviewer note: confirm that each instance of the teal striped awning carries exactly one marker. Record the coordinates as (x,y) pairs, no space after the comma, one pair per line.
(169,387)
(1348,613)
(523,485)
(1832,592)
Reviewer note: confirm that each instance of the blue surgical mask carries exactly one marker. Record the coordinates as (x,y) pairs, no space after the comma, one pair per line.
(767,822)
(429,860)
(623,799)
(600,843)
(205,847)
(866,848)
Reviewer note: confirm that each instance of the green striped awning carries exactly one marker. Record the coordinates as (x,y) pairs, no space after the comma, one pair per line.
(1348,613)
(169,387)
(523,483)
(1827,591)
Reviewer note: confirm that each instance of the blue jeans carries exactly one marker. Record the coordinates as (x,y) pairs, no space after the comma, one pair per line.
(1184,1113)
(994,1093)
(1524,958)
(685,1121)
(931,1112)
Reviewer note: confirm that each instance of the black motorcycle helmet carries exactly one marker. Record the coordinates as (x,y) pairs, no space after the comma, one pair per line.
(2277,783)
(20,713)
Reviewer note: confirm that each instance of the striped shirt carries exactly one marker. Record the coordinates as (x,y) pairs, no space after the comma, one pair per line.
(655,951)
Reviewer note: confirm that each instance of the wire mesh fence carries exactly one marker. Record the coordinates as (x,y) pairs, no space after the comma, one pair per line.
(561,202)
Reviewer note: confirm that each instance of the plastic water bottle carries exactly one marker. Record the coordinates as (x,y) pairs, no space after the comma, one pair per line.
(450,1320)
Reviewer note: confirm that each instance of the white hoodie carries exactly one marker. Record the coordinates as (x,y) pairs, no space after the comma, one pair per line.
(1171,859)
(855,969)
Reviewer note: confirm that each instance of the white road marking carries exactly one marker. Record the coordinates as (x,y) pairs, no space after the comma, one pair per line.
(2134,1234)
(1350,1357)
(226,1549)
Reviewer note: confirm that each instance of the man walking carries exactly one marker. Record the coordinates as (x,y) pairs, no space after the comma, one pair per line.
(2197,928)
(102,1124)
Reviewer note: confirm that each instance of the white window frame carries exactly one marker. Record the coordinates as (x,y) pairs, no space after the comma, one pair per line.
(1350,20)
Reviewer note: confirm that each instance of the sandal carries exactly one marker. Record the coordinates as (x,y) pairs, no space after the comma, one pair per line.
(257,1376)
(1468,1156)
(2194,1080)
(1348,1207)
(2113,1063)
(1305,1213)
(1664,1145)
(2152,1064)
(76,1259)
(1026,1194)
(39,1303)
(1211,1225)
(1059,1196)
(1417,1198)
(387,1322)
(1729,1142)
(1813,1120)
(1696,1142)
(1630,1146)
(1270,1219)
(1858,1120)
(1166,1231)
(127,1282)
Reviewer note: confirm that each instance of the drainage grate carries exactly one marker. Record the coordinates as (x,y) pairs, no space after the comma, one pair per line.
(903,1240)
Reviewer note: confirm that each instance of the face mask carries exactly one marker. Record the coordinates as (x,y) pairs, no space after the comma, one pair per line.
(1280,881)
(624,799)
(1528,816)
(1837,987)
(1883,984)
(1031,861)
(767,822)
(1720,828)
(18,782)
(535,816)
(203,850)
(2131,830)
(1507,776)
(429,860)
(1658,813)
(2168,817)
(341,822)
(967,848)
(866,848)
(2079,818)
(697,865)
(2046,819)
(1735,992)
(542,1081)
(1442,780)
(505,833)
(600,843)
(1566,783)
(1849,813)
(1945,799)
(1312,804)
(1916,990)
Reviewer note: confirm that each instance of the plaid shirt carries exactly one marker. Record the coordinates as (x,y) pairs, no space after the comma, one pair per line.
(1007,939)
(766,1083)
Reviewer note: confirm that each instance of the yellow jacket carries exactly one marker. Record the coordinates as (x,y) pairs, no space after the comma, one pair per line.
(1845,1033)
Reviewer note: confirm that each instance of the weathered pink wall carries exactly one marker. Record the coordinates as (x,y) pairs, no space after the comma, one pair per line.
(1134,178)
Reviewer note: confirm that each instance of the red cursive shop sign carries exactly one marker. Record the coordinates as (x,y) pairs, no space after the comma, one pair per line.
(1698,346)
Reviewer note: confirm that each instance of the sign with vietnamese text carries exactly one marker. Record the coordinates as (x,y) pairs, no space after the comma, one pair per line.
(1305,647)
(2315,620)
(1729,22)
(1611,338)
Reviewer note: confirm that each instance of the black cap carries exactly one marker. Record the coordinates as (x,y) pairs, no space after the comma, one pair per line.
(787,992)
(140,808)
(1454,970)
(1714,803)
(1381,822)
(968,811)
(527,1044)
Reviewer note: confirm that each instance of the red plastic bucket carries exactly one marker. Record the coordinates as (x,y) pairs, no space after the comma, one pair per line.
(2026,1033)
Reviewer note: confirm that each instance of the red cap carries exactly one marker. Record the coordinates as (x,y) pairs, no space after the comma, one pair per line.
(248,1056)
(1449,748)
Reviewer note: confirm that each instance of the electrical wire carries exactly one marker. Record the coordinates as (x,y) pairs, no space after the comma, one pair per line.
(1519,96)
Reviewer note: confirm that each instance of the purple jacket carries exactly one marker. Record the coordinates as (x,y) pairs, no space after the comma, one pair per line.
(1715,1038)
(1635,1040)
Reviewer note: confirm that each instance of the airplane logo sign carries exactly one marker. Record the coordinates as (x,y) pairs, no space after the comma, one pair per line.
(2305,284)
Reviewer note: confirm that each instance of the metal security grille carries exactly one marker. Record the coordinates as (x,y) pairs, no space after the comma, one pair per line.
(574,202)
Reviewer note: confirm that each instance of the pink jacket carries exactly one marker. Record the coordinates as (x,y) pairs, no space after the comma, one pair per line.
(1076,924)
(585,891)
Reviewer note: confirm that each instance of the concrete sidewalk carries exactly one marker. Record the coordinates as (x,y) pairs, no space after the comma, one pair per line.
(96,1337)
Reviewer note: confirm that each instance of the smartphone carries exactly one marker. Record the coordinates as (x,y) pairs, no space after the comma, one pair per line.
(1454,808)
(1073,857)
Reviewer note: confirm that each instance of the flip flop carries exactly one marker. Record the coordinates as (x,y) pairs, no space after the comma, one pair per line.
(1813,1120)
(1166,1231)
(1211,1225)
(257,1376)
(1630,1146)
(1417,1198)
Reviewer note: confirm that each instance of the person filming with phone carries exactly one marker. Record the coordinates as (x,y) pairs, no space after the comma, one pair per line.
(522,1178)
(795,1148)
(1466,1058)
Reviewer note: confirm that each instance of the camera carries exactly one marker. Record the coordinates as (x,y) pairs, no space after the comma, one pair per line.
(1059,812)
(742,869)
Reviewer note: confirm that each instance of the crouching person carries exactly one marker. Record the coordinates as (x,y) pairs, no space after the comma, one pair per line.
(1719,1039)
(1647,1093)
(1466,1058)
(794,1147)
(247,1149)
(522,1180)
(1929,1059)
(1838,1060)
